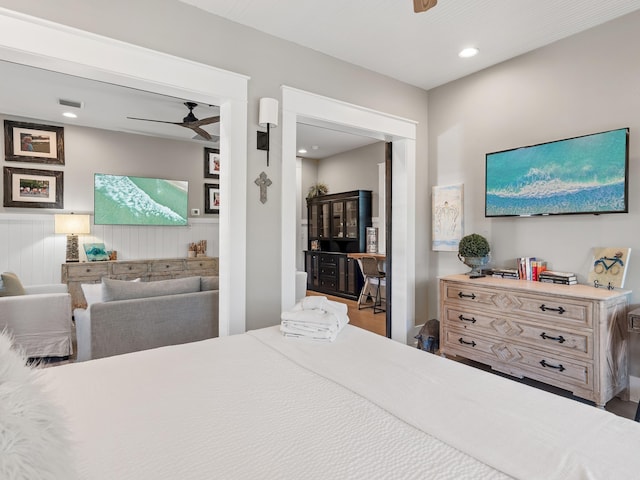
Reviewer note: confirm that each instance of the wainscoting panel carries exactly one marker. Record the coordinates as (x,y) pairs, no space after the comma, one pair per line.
(30,248)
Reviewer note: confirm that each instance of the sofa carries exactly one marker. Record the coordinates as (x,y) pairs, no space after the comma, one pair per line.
(39,320)
(133,316)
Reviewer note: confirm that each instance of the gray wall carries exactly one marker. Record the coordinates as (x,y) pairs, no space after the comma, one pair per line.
(356,169)
(184,31)
(92,150)
(584,84)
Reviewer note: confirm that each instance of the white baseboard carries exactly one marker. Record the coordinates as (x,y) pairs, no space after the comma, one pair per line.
(634,388)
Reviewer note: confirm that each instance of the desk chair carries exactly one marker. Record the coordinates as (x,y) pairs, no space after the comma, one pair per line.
(372,276)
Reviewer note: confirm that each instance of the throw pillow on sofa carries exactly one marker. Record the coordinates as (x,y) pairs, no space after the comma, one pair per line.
(209,283)
(123,290)
(11,285)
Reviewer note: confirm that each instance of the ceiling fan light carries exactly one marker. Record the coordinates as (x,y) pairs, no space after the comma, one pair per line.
(468,52)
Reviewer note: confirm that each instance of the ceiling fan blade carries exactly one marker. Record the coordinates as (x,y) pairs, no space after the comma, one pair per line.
(199,131)
(157,121)
(204,121)
(423,5)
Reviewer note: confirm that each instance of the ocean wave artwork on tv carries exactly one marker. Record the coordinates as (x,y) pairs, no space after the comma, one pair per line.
(127,200)
(585,174)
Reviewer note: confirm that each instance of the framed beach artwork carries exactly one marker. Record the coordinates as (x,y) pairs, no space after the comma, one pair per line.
(28,188)
(30,142)
(211,163)
(446,221)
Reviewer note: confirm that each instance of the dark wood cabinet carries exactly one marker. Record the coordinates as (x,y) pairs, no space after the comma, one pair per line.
(337,226)
(338,222)
(333,274)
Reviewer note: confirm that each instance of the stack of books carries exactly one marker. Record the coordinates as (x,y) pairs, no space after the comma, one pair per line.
(563,278)
(505,273)
(529,268)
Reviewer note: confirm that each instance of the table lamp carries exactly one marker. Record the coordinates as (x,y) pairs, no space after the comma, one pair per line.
(72,225)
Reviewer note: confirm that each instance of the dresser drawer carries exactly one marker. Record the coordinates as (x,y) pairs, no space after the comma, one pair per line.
(87,270)
(126,268)
(203,264)
(515,330)
(167,266)
(521,361)
(558,310)
(328,270)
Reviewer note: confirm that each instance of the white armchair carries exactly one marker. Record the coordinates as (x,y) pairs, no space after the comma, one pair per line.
(40,320)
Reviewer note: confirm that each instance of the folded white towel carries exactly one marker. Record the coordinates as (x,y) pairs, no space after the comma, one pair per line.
(317,324)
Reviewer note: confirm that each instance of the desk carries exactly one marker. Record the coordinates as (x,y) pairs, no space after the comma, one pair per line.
(381,257)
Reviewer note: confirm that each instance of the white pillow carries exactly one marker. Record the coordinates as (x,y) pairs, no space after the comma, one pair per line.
(93,292)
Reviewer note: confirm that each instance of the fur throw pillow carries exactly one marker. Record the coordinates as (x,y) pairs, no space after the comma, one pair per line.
(34,443)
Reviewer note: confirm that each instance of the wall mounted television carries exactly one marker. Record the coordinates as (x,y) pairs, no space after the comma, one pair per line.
(127,200)
(586,174)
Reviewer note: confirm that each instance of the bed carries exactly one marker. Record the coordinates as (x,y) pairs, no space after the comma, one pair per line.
(259,405)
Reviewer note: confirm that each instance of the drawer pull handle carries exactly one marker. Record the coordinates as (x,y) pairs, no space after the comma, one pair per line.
(463,295)
(544,308)
(472,343)
(559,339)
(465,319)
(548,365)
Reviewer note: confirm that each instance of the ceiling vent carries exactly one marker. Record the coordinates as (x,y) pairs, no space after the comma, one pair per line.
(69,103)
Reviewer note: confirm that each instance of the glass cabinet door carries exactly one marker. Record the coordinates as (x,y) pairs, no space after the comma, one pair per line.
(351,219)
(313,221)
(338,219)
(325,219)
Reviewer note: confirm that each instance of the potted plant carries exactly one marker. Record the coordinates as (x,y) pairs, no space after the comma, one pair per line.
(474,251)
(317,189)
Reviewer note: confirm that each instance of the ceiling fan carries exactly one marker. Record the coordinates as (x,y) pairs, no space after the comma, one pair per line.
(423,5)
(190,121)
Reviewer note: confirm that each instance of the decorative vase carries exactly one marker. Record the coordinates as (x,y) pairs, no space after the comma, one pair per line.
(475,263)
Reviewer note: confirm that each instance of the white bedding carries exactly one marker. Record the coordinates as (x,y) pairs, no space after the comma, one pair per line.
(262,406)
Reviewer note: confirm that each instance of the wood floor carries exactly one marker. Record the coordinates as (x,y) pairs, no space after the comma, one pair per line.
(364,318)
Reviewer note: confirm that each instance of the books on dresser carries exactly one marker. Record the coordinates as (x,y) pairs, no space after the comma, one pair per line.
(565,278)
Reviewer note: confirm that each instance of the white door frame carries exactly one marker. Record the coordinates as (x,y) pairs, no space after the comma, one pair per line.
(323,111)
(40,43)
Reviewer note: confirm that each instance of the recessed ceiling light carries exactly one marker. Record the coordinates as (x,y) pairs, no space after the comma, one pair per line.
(302,150)
(70,115)
(468,52)
(315,147)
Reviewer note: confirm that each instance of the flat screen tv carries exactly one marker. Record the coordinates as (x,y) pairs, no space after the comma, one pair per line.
(587,174)
(126,200)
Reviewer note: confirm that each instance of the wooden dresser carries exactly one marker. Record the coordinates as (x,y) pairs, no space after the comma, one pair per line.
(75,274)
(573,337)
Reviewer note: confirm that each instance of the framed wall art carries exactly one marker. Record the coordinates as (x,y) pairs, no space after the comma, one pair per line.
(211,163)
(446,222)
(28,188)
(30,142)
(212,198)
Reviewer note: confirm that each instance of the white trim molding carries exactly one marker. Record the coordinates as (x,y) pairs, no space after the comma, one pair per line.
(323,111)
(40,43)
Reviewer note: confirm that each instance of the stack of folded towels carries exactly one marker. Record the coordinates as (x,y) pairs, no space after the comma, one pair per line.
(316,318)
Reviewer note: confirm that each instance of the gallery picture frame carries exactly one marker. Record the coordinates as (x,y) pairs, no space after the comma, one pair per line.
(34,143)
(211,163)
(28,188)
(212,198)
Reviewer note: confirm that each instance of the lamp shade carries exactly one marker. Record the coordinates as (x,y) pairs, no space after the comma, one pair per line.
(268,112)
(72,224)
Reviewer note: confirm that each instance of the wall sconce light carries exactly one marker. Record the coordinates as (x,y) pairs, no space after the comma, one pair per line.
(72,225)
(267,117)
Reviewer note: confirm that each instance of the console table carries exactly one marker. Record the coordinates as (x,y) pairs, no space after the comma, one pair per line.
(570,336)
(75,274)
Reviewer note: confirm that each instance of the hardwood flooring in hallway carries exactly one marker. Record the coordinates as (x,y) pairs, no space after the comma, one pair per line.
(364,318)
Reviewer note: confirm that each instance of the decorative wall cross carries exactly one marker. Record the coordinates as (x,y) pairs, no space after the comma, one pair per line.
(263,182)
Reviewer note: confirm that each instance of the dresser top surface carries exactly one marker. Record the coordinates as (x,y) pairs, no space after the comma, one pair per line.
(578,291)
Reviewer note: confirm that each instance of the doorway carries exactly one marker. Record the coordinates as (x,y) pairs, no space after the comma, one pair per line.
(298,105)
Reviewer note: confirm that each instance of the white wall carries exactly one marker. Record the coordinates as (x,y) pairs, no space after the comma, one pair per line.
(584,84)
